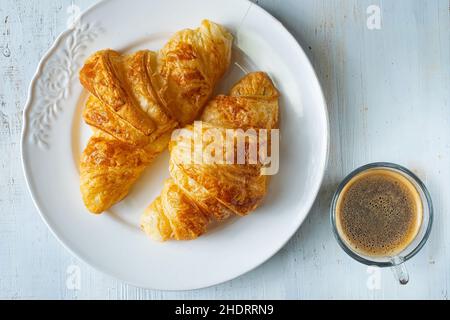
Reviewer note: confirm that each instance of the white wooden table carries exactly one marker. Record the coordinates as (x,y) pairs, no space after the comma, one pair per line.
(388,91)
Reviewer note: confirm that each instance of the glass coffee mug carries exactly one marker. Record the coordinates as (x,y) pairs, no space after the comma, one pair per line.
(396,261)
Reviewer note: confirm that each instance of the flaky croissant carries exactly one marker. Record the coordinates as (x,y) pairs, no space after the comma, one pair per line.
(197,193)
(137,100)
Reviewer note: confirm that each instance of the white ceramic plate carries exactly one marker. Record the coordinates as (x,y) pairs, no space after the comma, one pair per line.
(54,136)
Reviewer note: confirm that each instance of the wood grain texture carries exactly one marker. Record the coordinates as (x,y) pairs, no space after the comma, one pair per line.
(388,98)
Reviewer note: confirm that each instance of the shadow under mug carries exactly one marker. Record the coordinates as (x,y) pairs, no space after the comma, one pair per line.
(395,262)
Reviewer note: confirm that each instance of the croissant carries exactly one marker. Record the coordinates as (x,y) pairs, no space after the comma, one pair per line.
(137,100)
(198,193)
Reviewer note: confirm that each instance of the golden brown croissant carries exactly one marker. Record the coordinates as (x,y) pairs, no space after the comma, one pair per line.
(137,100)
(197,192)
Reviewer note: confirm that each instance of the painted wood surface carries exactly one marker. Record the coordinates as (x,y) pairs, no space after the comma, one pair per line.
(388,93)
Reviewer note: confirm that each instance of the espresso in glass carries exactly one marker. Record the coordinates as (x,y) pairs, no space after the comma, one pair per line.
(379,212)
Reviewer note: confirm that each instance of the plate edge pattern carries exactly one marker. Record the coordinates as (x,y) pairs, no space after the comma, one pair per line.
(53,81)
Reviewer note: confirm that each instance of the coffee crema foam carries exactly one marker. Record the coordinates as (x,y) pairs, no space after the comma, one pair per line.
(379,213)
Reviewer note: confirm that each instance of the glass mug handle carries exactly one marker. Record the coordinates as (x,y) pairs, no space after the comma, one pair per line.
(399,269)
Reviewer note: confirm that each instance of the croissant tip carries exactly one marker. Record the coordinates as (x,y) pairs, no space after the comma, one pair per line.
(95,211)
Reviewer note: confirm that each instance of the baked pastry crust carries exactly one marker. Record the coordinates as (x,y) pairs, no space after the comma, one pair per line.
(137,100)
(201,192)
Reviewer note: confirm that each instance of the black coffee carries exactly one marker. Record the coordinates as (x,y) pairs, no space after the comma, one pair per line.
(379,213)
